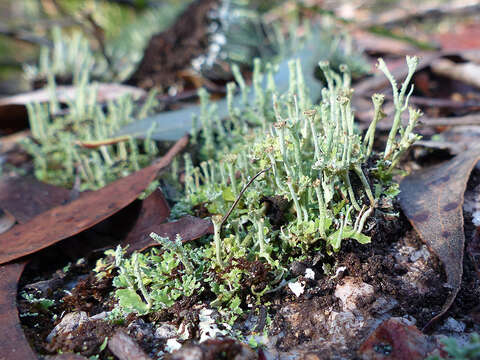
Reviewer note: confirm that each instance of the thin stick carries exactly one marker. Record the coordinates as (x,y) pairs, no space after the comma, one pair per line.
(473,119)
(240,195)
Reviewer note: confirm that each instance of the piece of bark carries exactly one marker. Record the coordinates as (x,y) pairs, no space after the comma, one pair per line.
(125,348)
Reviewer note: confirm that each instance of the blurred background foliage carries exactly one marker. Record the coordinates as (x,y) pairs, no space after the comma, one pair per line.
(121,28)
(26,26)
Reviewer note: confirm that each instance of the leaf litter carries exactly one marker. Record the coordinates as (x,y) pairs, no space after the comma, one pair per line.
(14,345)
(153,215)
(91,208)
(432,200)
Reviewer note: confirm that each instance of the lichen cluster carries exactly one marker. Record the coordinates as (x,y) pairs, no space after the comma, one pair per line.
(75,142)
(320,182)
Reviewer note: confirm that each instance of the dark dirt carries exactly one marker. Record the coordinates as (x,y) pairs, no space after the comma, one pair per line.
(307,318)
(171,51)
(298,320)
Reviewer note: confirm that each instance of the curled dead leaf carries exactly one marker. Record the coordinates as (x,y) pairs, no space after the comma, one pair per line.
(13,344)
(432,200)
(25,198)
(154,211)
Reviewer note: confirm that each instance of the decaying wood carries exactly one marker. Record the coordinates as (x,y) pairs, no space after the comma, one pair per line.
(125,348)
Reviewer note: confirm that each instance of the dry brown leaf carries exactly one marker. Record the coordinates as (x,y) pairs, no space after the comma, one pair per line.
(24,197)
(13,344)
(91,208)
(468,73)
(154,211)
(13,113)
(377,83)
(189,228)
(432,200)
(105,92)
(6,221)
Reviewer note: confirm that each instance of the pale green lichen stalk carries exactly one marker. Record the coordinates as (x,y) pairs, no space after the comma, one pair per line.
(57,136)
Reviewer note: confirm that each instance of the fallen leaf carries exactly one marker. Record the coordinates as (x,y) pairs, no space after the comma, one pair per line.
(154,210)
(25,197)
(6,221)
(370,85)
(473,250)
(468,73)
(374,43)
(105,92)
(188,227)
(91,208)
(9,142)
(13,344)
(461,38)
(14,113)
(393,339)
(432,200)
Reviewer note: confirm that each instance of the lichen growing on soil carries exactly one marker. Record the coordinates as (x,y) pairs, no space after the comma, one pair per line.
(320,183)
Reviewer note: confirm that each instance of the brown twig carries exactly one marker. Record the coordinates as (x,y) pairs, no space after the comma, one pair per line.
(98,143)
(240,195)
